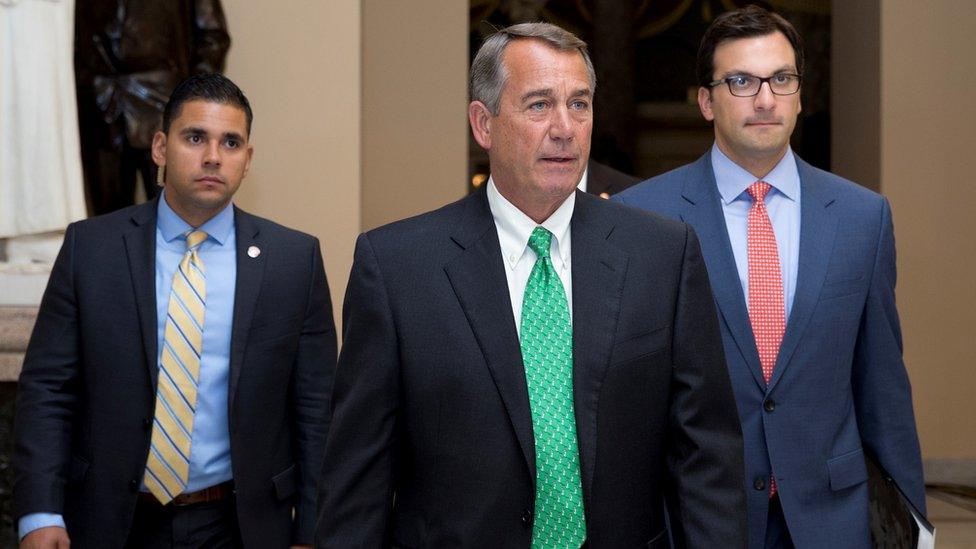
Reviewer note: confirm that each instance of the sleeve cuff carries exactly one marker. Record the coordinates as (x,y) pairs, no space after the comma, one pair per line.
(34,521)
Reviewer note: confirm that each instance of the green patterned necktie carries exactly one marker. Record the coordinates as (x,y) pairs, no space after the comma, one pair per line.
(547,352)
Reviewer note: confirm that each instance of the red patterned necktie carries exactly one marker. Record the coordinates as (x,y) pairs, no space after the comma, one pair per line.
(767,313)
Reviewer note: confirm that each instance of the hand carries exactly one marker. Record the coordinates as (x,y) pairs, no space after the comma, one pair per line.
(50,537)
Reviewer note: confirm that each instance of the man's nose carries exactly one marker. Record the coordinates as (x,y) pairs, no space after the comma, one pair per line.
(765,100)
(562,126)
(212,153)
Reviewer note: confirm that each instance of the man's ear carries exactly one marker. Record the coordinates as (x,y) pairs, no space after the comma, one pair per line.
(250,155)
(158,151)
(705,103)
(480,118)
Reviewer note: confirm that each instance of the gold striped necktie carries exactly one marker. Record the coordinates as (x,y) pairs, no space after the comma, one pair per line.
(168,466)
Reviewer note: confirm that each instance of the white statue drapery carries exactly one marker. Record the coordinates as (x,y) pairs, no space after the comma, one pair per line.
(41,187)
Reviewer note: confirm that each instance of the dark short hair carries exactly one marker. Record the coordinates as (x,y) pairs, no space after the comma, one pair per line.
(214,88)
(748,22)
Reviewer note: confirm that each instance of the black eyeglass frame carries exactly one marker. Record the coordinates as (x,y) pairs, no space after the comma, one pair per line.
(728,82)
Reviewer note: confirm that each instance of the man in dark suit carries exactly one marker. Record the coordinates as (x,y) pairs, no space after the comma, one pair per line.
(802,264)
(531,365)
(175,391)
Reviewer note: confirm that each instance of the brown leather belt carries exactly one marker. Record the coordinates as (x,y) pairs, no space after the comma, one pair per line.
(217,492)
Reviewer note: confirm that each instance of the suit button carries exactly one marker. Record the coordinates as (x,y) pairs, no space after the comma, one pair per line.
(527,518)
(769,405)
(759,484)
(134,485)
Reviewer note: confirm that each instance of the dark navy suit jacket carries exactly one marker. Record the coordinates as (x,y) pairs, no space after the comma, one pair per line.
(87,390)
(839,387)
(431,442)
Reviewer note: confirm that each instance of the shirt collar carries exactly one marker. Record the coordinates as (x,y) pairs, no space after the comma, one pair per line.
(172,226)
(733,179)
(584,180)
(514,227)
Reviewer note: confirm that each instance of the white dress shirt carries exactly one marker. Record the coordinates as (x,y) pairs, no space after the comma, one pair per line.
(514,229)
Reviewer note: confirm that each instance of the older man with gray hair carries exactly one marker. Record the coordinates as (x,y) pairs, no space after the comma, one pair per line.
(531,366)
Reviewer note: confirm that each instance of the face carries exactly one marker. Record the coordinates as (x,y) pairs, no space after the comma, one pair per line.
(539,142)
(206,156)
(752,130)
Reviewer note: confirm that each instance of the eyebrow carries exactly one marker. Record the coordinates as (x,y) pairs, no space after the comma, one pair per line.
(192,130)
(784,68)
(548,93)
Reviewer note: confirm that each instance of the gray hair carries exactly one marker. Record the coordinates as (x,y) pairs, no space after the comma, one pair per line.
(488,73)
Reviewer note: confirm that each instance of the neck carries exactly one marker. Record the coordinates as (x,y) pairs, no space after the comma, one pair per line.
(541,213)
(194,217)
(758,166)
(537,210)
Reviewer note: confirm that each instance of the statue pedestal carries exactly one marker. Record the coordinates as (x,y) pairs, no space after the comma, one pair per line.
(16,324)
(21,289)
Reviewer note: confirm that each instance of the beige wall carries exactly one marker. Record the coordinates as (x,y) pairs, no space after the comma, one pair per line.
(928,130)
(357,122)
(299,64)
(415,136)
(339,150)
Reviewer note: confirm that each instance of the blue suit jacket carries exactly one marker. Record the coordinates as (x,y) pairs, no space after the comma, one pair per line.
(839,387)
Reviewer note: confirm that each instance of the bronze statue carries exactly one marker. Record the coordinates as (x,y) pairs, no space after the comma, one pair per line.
(129,55)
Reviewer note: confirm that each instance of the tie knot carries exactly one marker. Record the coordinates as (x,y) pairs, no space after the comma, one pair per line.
(194,239)
(539,242)
(758,190)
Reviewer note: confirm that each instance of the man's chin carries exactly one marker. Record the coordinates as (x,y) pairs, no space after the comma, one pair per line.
(561,188)
(210,201)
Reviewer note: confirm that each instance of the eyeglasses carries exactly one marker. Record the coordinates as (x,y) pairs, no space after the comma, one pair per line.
(746,85)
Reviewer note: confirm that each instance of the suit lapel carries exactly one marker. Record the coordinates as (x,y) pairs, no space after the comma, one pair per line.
(818,225)
(250,272)
(140,248)
(598,276)
(477,275)
(704,213)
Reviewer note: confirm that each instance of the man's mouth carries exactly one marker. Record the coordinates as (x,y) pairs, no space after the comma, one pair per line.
(559,159)
(211,179)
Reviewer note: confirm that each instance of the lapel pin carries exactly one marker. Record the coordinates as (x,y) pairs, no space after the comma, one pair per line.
(253,251)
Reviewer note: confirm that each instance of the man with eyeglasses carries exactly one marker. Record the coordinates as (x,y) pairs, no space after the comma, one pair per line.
(802,266)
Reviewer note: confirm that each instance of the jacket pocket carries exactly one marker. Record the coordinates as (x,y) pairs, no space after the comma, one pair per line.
(847,470)
(660,541)
(285,482)
(641,345)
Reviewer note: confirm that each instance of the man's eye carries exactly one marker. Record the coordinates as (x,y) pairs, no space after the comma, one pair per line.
(195,139)
(579,105)
(233,143)
(740,81)
(538,106)
(782,78)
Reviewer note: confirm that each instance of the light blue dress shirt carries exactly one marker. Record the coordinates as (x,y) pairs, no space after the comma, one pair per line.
(210,447)
(783,205)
